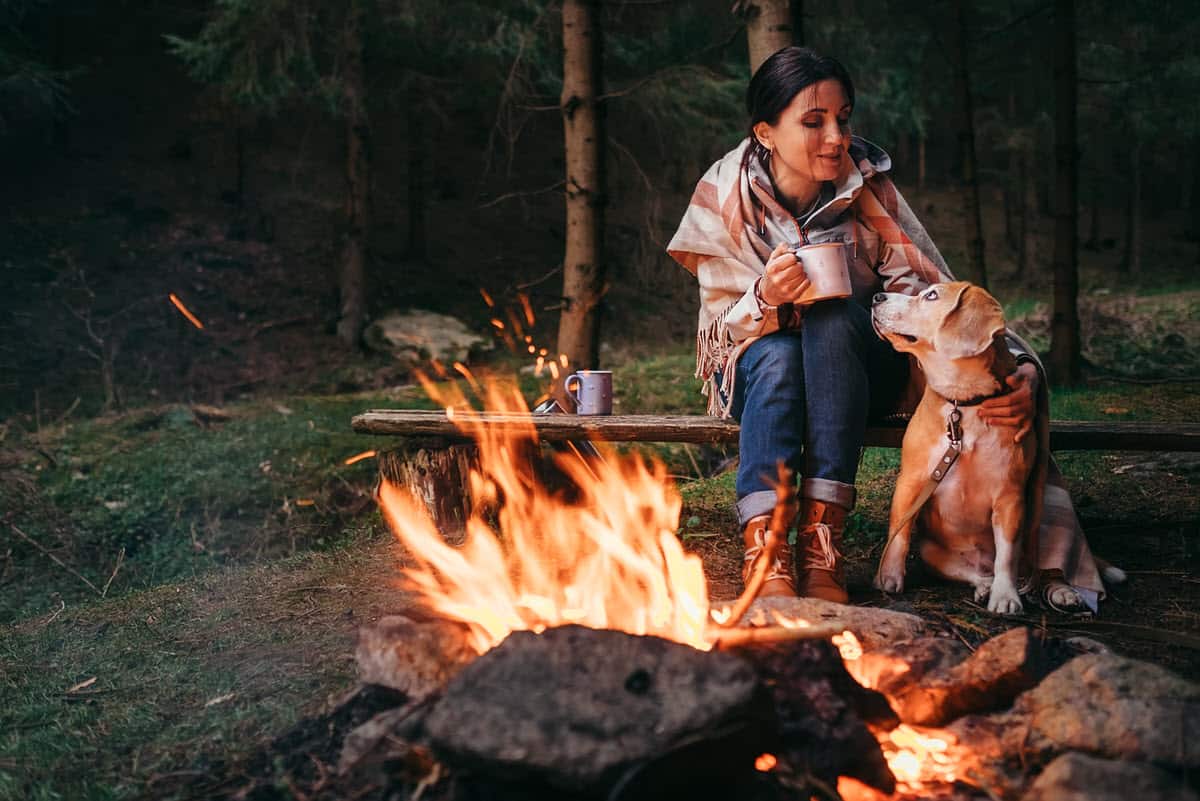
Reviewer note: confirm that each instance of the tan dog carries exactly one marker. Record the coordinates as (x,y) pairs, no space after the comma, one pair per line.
(980,523)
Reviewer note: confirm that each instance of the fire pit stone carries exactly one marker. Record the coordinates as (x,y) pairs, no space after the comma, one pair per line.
(416,657)
(578,708)
(1079,777)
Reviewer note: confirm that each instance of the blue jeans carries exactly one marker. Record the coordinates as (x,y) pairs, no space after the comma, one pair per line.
(804,396)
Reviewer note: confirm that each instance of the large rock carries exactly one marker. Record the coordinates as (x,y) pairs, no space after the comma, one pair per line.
(1105,705)
(930,681)
(1116,707)
(1078,777)
(418,335)
(582,710)
(416,657)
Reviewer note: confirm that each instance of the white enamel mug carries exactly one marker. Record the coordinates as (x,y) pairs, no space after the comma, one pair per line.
(827,269)
(593,391)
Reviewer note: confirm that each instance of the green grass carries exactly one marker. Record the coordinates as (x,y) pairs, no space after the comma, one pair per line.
(184,674)
(181,499)
(230,588)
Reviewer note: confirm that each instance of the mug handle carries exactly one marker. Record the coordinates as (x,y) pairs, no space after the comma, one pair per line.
(567,387)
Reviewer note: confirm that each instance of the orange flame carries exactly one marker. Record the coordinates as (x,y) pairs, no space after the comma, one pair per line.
(608,558)
(184,311)
(920,757)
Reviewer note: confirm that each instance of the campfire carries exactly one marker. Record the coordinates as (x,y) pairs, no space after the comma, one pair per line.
(600,551)
(566,647)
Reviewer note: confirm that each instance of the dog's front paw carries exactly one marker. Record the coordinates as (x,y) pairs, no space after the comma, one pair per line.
(891,581)
(1004,601)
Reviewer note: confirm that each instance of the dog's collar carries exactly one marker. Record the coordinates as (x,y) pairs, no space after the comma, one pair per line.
(978,399)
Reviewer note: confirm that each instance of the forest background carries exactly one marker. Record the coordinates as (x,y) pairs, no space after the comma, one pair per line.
(293,170)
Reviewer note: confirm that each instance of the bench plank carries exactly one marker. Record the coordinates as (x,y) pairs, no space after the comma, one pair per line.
(701,429)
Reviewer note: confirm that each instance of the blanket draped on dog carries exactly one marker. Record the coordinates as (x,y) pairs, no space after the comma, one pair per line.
(732,224)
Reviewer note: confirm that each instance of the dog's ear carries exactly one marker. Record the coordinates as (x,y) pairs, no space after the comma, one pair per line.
(971,325)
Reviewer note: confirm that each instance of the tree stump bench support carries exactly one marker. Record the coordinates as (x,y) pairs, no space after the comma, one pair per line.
(436,458)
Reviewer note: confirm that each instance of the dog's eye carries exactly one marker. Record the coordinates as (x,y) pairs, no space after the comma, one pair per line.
(931,295)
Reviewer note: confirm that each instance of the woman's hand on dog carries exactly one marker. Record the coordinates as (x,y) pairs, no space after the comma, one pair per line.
(783,279)
(1018,407)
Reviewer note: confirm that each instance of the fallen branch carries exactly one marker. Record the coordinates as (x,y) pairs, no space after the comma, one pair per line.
(56,560)
(761,635)
(120,560)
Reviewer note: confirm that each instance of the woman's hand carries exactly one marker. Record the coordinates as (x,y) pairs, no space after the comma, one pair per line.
(784,279)
(1018,407)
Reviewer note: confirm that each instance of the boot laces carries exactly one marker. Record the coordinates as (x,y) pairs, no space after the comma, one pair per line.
(825,555)
(777,570)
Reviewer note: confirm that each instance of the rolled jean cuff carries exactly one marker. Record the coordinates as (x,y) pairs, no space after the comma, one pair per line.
(827,490)
(755,505)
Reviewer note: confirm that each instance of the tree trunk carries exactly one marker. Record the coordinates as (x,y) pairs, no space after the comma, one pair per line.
(1132,263)
(583,129)
(921,173)
(240,136)
(771,25)
(1065,359)
(1012,184)
(973,216)
(418,242)
(1027,208)
(352,281)
(1095,231)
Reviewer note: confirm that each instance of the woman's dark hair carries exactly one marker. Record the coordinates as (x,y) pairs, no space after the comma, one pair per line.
(783,76)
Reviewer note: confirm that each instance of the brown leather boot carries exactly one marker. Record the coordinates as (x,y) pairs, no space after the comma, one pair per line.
(819,563)
(780,581)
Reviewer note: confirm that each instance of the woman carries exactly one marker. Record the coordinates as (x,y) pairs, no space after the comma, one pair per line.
(802,378)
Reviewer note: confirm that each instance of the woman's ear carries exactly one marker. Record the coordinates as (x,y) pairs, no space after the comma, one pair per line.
(762,132)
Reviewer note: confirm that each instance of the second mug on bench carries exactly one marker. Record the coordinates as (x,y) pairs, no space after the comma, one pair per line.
(593,393)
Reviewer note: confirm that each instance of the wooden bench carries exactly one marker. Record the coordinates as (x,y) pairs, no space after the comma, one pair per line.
(700,429)
(436,459)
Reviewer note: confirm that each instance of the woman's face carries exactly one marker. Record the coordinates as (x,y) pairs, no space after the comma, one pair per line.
(810,139)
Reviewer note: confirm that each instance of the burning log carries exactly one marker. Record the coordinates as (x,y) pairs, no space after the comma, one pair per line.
(822,712)
(437,473)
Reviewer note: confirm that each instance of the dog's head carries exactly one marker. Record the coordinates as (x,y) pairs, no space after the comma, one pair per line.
(944,322)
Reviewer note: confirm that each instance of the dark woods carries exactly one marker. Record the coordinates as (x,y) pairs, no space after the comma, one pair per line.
(359,156)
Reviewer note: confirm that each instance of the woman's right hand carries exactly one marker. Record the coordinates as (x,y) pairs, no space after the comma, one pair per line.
(784,279)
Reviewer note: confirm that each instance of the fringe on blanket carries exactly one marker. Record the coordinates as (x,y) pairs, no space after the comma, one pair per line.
(714,351)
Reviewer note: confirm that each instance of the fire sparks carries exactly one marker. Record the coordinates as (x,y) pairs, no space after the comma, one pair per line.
(358,457)
(608,559)
(184,311)
(765,763)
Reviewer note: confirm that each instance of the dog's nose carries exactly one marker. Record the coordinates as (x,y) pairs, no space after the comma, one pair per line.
(878,297)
